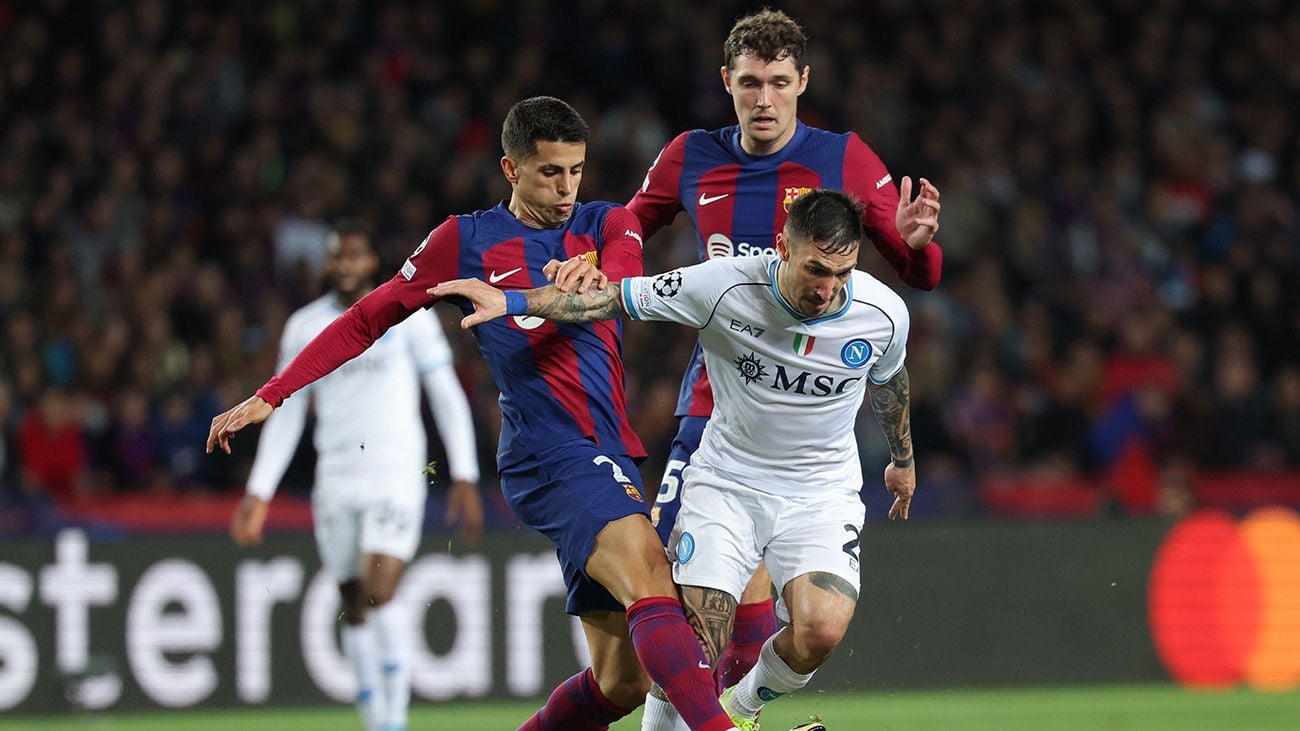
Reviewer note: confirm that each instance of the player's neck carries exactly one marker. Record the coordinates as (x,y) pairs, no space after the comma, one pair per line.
(347,299)
(525,214)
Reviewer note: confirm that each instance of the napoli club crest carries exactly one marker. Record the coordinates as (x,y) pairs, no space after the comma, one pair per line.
(856,353)
(685,548)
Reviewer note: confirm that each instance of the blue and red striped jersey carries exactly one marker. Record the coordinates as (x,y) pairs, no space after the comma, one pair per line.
(559,382)
(739,201)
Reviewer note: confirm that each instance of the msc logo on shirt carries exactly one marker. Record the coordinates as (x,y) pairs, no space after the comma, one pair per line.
(751,368)
(821,384)
(794,380)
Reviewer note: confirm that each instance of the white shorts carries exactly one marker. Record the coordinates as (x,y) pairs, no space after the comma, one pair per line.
(724,529)
(355,517)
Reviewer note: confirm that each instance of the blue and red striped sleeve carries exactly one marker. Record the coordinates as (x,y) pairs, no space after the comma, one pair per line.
(366,321)
(866,177)
(659,200)
(620,247)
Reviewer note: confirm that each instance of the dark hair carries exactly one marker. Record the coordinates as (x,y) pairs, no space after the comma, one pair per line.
(768,34)
(348,227)
(830,218)
(540,118)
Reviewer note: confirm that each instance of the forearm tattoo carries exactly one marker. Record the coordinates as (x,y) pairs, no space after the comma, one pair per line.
(597,304)
(833,583)
(710,613)
(891,403)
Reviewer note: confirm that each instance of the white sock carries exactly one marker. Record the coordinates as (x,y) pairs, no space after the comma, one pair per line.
(768,680)
(358,642)
(394,637)
(659,715)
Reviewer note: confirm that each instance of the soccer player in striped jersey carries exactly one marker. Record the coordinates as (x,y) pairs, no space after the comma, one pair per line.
(567,456)
(737,185)
(794,341)
(369,492)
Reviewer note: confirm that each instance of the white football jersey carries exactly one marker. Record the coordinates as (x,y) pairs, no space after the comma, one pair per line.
(786,389)
(367,411)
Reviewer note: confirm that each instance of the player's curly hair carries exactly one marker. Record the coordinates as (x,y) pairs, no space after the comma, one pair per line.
(540,118)
(831,218)
(768,34)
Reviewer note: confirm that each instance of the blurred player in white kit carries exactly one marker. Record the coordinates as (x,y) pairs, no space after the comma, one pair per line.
(368,498)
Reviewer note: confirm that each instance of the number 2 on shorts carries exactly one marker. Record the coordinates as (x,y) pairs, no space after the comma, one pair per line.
(619,475)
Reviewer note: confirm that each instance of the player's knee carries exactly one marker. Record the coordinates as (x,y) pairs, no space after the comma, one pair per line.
(816,639)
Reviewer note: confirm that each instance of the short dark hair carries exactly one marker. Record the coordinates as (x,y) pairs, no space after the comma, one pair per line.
(768,34)
(540,118)
(348,227)
(829,217)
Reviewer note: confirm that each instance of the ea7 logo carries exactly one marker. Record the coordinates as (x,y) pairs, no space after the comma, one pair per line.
(806,383)
(746,329)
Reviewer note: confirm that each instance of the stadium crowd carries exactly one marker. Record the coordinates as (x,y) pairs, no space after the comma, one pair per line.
(1120,183)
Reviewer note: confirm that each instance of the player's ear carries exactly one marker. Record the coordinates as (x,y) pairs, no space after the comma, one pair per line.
(726,78)
(510,168)
(782,246)
(803,79)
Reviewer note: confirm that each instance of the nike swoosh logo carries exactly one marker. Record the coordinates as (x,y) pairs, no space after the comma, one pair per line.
(494,277)
(703,665)
(707,199)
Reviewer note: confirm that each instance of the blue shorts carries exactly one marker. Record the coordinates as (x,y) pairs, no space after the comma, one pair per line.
(570,493)
(669,499)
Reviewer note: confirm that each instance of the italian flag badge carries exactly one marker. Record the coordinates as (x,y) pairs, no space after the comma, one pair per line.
(803,344)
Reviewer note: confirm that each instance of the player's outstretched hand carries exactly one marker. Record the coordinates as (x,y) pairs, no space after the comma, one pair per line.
(246,524)
(489,302)
(576,274)
(901,481)
(465,506)
(917,220)
(252,411)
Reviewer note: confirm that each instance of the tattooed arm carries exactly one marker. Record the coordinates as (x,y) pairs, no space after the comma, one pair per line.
(551,303)
(548,302)
(891,402)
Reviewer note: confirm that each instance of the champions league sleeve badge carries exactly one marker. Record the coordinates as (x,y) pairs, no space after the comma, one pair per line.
(668,284)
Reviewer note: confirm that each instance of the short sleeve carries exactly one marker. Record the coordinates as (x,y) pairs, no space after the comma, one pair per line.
(687,295)
(891,360)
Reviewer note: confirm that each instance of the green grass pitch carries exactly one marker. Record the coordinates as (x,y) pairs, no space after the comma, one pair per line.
(1108,708)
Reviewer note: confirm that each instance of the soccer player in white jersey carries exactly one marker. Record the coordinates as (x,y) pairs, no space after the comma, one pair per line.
(368,498)
(792,343)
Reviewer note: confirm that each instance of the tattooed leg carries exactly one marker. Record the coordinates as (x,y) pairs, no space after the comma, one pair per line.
(710,613)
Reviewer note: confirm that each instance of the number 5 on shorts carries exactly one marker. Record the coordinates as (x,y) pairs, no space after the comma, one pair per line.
(672,481)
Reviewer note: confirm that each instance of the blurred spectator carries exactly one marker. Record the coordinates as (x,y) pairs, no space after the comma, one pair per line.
(50,449)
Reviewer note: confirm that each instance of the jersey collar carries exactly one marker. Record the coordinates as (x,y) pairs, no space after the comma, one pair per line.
(780,299)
